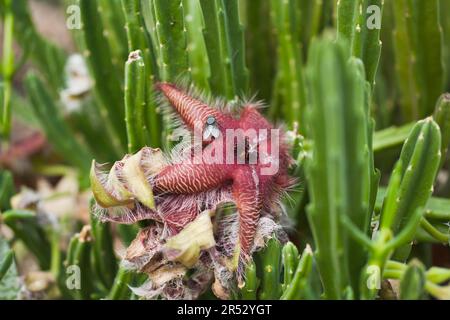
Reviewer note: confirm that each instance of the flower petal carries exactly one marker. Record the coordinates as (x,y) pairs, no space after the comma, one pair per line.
(134,176)
(198,235)
(98,185)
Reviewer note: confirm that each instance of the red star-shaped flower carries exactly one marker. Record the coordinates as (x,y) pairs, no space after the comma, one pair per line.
(234,157)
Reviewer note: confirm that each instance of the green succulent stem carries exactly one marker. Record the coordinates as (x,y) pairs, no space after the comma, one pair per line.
(341,130)
(435,233)
(6,263)
(172,39)
(347,18)
(55,128)
(367,45)
(25,226)
(271,267)
(412,283)
(168,27)
(296,287)
(420,159)
(46,56)
(442,117)
(196,47)
(224,40)
(250,289)
(436,208)
(433,277)
(139,39)
(112,20)
(103,259)
(56,257)
(418,52)
(290,257)
(102,65)
(403,211)
(289,95)
(79,255)
(135,101)
(120,289)
(7,70)
(259,53)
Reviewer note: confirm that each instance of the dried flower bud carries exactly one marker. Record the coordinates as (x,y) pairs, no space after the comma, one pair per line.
(135,180)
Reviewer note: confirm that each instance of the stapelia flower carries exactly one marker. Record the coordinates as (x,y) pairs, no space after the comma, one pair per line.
(181,192)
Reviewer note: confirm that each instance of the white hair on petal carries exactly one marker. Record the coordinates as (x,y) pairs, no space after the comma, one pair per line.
(267,229)
(227,233)
(124,214)
(223,275)
(199,202)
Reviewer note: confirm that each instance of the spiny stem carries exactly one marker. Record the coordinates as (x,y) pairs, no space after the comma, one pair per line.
(196,44)
(347,15)
(135,101)
(172,38)
(100,60)
(139,39)
(289,94)
(224,39)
